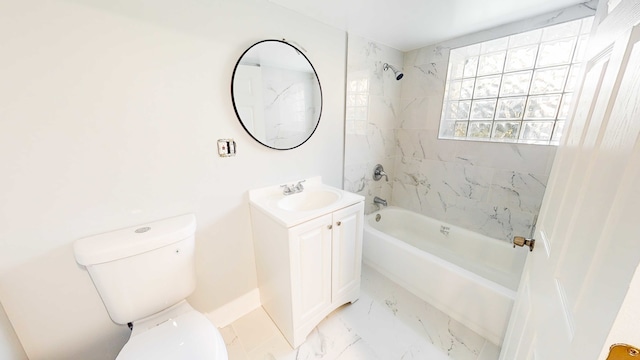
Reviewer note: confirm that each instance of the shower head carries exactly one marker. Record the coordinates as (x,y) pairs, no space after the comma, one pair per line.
(398,74)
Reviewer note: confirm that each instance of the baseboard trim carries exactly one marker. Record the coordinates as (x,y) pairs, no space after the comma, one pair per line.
(235,309)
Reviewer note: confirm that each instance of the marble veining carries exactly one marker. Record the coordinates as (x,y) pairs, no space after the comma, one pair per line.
(387,322)
(373,103)
(371,49)
(284,91)
(467,199)
(491,188)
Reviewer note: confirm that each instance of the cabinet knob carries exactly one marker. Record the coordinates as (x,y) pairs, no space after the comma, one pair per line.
(339,223)
(330,227)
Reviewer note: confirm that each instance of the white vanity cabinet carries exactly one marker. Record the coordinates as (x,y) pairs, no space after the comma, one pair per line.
(307,270)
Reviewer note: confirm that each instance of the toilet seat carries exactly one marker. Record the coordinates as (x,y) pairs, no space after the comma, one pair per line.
(177,333)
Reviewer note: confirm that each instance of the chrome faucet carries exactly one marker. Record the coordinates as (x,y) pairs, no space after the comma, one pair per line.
(378,173)
(292,189)
(379,201)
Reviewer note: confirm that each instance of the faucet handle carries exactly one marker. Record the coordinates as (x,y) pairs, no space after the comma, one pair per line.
(299,186)
(378,173)
(287,189)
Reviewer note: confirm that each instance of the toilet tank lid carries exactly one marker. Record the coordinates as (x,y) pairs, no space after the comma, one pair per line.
(133,240)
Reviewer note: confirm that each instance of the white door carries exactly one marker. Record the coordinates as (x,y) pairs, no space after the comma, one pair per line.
(588,232)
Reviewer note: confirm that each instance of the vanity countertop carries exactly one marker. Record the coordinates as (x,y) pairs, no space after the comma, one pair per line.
(315,200)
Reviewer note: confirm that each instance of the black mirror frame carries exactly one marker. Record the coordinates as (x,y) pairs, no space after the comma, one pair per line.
(235,108)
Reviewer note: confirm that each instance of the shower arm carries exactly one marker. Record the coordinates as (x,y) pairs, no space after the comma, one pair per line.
(398,74)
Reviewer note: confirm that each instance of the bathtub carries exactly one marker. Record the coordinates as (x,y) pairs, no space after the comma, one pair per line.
(470,277)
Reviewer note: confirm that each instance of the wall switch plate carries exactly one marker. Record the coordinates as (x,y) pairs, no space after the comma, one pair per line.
(226,147)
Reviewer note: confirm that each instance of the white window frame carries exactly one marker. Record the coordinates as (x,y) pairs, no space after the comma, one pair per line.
(477,97)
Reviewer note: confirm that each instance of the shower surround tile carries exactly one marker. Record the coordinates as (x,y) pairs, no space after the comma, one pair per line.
(414,112)
(536,159)
(491,188)
(358,177)
(387,322)
(426,71)
(499,222)
(373,107)
(494,202)
(520,191)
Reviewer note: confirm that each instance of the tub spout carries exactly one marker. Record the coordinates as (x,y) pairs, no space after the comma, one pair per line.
(379,201)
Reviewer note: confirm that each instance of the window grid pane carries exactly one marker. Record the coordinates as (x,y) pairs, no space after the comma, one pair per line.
(518,88)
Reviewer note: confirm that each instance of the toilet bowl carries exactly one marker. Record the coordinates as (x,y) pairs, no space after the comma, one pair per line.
(179,332)
(143,275)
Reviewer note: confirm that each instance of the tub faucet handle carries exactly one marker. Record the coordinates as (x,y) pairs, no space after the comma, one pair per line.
(378,173)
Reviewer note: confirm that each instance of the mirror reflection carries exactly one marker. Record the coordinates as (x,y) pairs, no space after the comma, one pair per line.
(276,94)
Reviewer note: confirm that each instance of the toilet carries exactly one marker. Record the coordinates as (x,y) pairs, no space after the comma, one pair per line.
(144,275)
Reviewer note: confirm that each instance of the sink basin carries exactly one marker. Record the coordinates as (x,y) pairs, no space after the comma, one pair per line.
(309,200)
(315,200)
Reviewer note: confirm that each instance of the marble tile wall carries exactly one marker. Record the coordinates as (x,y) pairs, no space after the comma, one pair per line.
(492,188)
(289,115)
(372,109)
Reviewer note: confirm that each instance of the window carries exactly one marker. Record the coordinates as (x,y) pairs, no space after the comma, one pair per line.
(357,103)
(517,88)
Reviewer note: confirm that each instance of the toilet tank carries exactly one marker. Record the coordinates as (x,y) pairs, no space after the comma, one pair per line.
(141,270)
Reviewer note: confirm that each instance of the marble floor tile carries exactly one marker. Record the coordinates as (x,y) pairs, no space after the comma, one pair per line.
(387,322)
(235,350)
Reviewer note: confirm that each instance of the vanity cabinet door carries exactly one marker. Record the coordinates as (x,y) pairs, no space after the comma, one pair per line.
(310,245)
(347,253)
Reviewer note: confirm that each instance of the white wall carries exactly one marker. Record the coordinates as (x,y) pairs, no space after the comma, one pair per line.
(109,117)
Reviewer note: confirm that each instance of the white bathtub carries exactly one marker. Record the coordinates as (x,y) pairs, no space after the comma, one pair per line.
(470,277)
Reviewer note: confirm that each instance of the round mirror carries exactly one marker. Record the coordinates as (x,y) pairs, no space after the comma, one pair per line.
(276,94)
